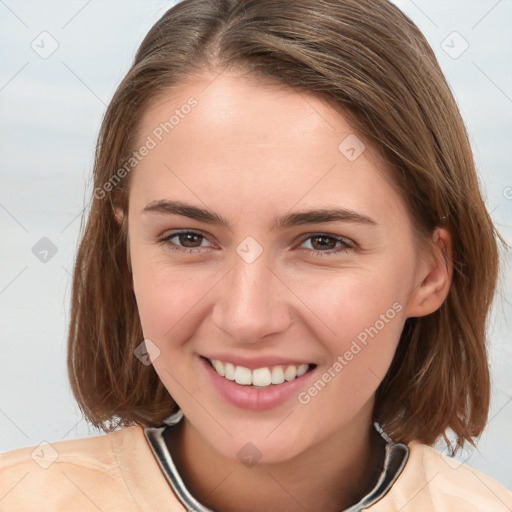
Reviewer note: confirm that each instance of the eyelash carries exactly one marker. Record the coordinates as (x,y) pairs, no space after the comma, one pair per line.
(171,245)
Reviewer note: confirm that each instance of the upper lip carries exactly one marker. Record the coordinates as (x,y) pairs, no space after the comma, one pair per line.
(253,363)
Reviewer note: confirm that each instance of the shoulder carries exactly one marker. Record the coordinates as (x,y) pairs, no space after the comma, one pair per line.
(85,474)
(435,482)
(72,471)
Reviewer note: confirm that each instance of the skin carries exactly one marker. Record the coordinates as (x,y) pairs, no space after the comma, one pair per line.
(251,151)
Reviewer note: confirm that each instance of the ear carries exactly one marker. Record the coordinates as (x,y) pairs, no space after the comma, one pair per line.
(434,276)
(118,215)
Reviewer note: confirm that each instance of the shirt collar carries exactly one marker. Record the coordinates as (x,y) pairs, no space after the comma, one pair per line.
(396,455)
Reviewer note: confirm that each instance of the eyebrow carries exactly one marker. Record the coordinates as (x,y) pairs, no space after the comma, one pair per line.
(317,216)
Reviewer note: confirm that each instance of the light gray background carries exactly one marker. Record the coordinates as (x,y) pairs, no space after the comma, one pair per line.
(51,109)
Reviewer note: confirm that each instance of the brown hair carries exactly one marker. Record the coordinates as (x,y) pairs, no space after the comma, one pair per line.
(370,60)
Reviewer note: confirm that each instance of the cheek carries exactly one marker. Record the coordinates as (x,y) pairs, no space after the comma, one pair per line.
(168,299)
(367,319)
(362,313)
(347,301)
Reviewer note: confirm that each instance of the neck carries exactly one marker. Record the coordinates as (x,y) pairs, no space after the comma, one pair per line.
(330,476)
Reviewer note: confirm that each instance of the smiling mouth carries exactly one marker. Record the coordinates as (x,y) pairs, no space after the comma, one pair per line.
(260,378)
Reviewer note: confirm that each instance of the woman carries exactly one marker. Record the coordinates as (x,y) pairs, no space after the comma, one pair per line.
(286,245)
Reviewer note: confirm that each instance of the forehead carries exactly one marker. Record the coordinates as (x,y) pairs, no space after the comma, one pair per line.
(241,109)
(256,145)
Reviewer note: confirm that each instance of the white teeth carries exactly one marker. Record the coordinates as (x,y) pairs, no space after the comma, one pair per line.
(290,373)
(260,377)
(243,376)
(277,375)
(229,370)
(219,367)
(302,369)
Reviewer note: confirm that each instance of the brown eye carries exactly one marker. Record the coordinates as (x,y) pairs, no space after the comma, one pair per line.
(189,239)
(322,244)
(186,241)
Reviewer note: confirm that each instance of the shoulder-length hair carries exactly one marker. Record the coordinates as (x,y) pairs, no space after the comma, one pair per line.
(371,61)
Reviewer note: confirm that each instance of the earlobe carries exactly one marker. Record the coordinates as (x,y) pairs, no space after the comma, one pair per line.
(118,215)
(435,273)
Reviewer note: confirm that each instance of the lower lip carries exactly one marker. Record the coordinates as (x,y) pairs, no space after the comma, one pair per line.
(256,399)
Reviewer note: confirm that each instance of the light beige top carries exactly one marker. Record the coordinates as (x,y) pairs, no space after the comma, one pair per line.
(118,472)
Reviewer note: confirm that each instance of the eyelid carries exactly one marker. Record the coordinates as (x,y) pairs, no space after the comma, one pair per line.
(348,244)
(165,239)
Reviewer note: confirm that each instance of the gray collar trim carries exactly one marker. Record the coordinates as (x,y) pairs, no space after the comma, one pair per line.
(394,462)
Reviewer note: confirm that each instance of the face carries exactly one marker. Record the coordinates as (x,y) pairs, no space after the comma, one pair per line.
(257,282)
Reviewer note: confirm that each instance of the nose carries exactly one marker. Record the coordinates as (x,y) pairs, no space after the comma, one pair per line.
(251,302)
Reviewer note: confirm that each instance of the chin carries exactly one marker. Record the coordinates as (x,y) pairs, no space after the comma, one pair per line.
(253,447)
